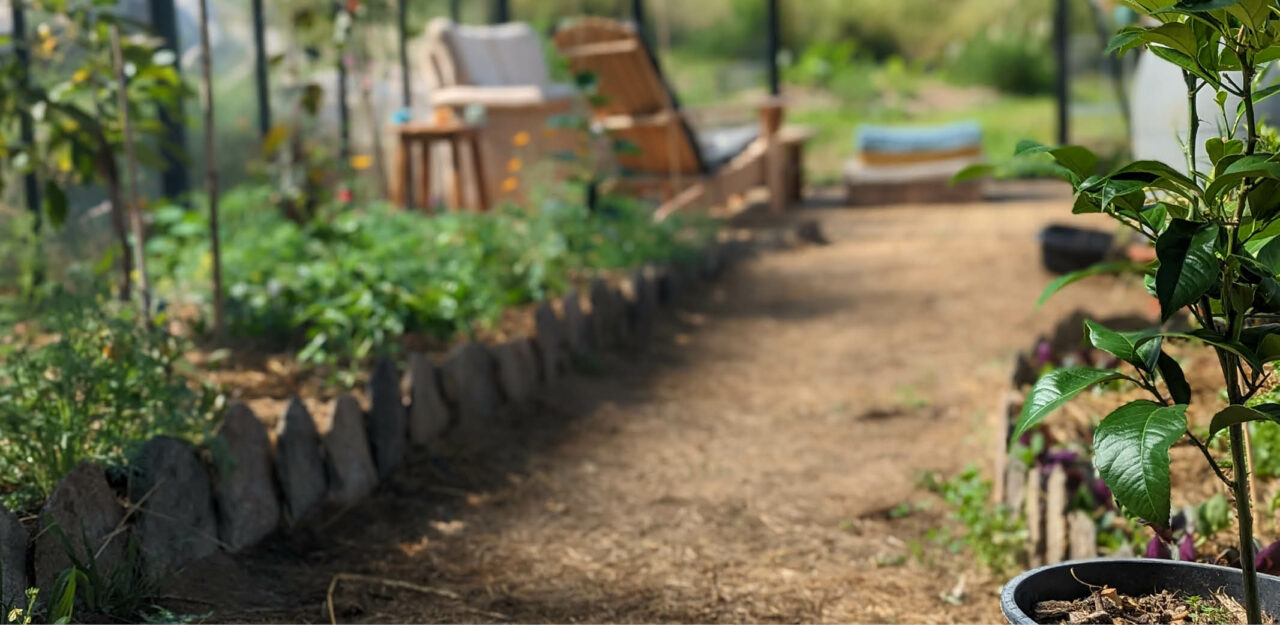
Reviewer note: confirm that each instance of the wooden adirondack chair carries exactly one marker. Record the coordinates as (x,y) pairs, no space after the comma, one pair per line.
(638,106)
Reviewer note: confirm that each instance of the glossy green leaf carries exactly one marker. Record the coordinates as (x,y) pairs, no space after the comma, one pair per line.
(1079,160)
(1027,147)
(1126,346)
(1258,96)
(973,172)
(1204,6)
(1188,266)
(55,203)
(1126,39)
(1267,250)
(1238,169)
(1156,215)
(1263,200)
(1084,204)
(1158,174)
(1056,388)
(1185,62)
(1096,270)
(1235,415)
(1214,339)
(1131,452)
(1173,377)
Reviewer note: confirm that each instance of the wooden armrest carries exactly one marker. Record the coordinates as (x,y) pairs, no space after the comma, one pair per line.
(624,122)
(523,96)
(602,48)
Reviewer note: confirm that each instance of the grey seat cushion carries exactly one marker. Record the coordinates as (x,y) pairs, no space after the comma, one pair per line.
(720,145)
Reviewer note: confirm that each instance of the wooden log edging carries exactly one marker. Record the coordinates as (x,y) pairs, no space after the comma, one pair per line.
(1040,494)
(183,505)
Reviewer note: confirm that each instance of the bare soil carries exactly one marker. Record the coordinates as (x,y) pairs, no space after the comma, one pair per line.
(741,469)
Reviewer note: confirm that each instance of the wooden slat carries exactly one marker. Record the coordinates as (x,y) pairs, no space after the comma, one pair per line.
(1055,516)
(1035,518)
(1083,536)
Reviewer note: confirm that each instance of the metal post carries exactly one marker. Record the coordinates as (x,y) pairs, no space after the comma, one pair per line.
(771,44)
(642,25)
(501,11)
(344,114)
(173,181)
(402,30)
(455,10)
(27,129)
(1062,91)
(260,68)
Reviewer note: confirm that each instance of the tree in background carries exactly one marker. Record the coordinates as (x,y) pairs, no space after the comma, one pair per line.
(75,104)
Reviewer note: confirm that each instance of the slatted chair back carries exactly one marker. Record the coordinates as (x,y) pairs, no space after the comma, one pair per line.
(636,105)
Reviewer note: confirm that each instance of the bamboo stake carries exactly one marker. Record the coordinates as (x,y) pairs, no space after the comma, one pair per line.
(211,167)
(131,165)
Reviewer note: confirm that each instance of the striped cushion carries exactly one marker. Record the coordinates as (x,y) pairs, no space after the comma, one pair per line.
(899,140)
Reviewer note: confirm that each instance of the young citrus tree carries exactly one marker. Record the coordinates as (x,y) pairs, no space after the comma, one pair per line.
(1217,238)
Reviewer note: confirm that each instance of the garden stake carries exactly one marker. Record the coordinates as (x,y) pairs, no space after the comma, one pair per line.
(131,164)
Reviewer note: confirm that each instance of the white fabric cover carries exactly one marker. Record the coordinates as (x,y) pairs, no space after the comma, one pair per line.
(475,57)
(519,53)
(493,55)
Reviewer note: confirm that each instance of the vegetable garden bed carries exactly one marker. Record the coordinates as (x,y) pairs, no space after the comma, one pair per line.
(229,442)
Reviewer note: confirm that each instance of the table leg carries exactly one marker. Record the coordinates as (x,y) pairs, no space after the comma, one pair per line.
(775,176)
(424,176)
(400,189)
(795,161)
(482,194)
(455,150)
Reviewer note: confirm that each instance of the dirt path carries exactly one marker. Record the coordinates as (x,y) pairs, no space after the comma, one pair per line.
(741,470)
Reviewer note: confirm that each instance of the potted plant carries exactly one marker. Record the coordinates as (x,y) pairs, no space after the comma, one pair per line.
(1216,232)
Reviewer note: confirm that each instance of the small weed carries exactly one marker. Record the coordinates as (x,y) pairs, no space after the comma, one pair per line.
(901,510)
(993,533)
(157,614)
(1213,515)
(19,614)
(1204,611)
(908,398)
(87,590)
(885,561)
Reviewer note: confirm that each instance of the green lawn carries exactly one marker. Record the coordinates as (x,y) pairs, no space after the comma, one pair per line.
(894,94)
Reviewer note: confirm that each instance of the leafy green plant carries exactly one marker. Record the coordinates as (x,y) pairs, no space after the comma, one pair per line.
(1213,515)
(74,106)
(992,532)
(1206,611)
(1215,234)
(93,386)
(91,592)
(347,283)
(21,612)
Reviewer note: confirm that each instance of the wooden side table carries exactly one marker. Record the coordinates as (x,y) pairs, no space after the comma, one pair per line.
(424,135)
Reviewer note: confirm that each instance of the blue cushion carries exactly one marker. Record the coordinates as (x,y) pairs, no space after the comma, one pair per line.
(720,145)
(900,140)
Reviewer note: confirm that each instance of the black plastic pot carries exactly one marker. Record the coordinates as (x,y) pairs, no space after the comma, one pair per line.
(1064,249)
(1130,576)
